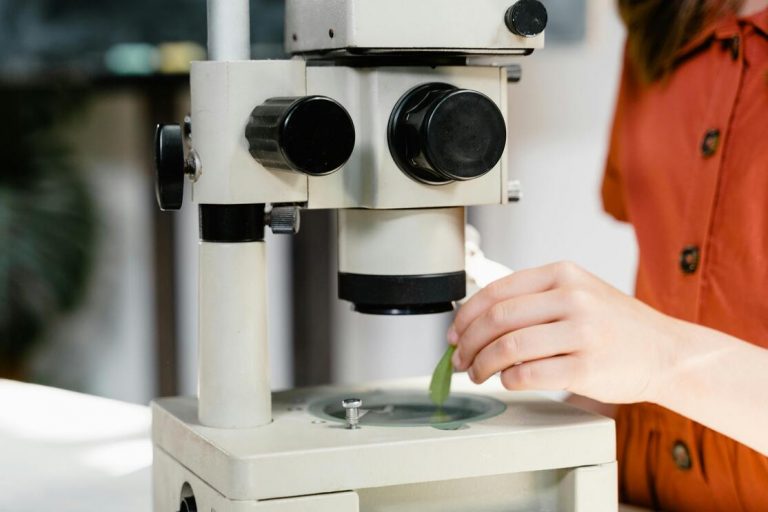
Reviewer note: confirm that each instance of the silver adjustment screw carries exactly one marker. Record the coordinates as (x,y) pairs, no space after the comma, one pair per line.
(285,220)
(193,168)
(514,191)
(352,412)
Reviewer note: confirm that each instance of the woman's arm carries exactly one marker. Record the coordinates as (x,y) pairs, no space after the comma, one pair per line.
(721,382)
(559,327)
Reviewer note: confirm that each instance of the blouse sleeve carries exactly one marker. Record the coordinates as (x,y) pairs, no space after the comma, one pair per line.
(613,180)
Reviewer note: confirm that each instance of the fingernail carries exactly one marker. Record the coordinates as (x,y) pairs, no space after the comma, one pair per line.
(456,360)
(453,336)
(471,373)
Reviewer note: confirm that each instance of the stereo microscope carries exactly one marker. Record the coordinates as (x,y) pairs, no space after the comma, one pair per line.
(395,114)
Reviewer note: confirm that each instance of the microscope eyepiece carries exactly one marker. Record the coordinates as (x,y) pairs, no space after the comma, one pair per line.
(439,133)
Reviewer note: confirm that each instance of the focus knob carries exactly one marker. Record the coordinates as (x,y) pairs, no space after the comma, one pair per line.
(169,166)
(527,18)
(313,135)
(439,134)
(285,220)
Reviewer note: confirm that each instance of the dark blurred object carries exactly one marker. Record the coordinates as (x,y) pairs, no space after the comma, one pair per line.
(47,223)
(73,36)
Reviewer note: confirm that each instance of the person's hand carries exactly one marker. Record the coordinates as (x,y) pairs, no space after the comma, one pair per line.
(560,328)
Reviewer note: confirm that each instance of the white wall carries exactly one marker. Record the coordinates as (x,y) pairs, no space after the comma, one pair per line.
(560,116)
(107,346)
(368,347)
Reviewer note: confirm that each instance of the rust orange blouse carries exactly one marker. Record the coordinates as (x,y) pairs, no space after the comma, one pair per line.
(688,167)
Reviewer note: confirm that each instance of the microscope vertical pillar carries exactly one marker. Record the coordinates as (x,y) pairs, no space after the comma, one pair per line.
(233,387)
(233,374)
(229,30)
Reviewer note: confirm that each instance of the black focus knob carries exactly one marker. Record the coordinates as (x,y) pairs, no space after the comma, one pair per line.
(527,18)
(169,166)
(439,133)
(314,135)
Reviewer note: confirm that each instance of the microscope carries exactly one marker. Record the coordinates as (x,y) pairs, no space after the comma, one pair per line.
(395,114)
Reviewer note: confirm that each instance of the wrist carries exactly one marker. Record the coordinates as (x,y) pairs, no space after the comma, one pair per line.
(669,351)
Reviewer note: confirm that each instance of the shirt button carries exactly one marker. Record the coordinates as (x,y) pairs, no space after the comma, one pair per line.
(710,143)
(689,259)
(681,456)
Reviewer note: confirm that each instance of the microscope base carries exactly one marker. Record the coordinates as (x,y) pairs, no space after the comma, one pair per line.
(536,455)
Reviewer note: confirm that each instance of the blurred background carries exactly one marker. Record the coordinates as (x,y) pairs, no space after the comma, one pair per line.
(98,287)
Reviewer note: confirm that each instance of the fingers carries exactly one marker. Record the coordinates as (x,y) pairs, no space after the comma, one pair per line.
(552,374)
(523,346)
(508,316)
(525,282)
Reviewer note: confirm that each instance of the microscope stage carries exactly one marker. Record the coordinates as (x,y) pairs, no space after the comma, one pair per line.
(300,453)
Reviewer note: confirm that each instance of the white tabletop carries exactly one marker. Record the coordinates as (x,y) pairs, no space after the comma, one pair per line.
(66,451)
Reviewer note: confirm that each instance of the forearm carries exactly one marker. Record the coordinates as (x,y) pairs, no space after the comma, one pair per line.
(719,381)
(560,328)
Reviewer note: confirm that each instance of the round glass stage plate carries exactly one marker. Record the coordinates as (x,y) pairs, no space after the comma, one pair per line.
(410,409)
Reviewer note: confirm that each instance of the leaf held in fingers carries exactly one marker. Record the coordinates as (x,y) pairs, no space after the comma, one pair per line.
(440,387)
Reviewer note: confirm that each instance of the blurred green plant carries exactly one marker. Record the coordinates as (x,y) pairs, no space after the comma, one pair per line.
(47,221)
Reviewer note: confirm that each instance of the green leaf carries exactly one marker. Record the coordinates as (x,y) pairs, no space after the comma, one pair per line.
(440,387)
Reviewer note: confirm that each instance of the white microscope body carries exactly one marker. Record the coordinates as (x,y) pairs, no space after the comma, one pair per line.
(393,112)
